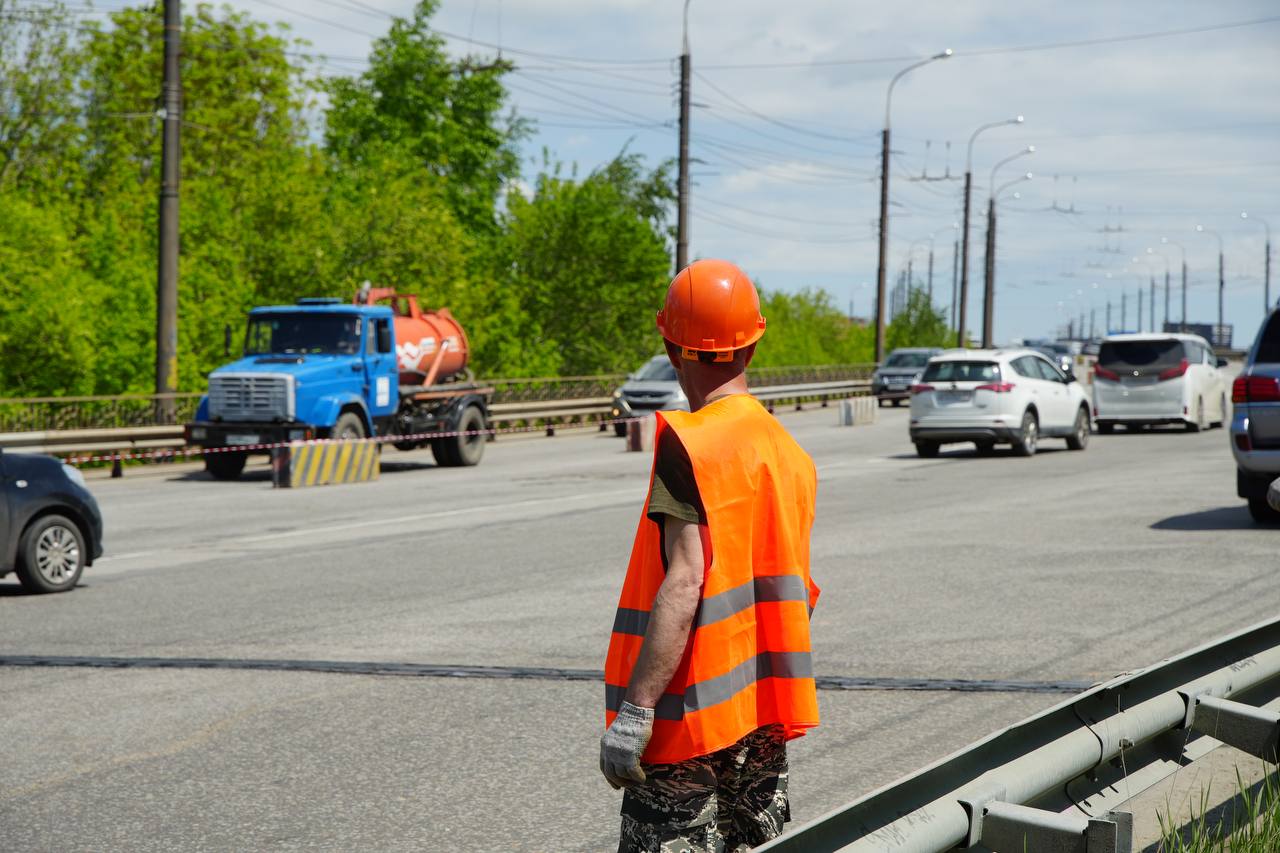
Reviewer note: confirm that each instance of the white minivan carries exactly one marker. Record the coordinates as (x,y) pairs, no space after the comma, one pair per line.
(1148,379)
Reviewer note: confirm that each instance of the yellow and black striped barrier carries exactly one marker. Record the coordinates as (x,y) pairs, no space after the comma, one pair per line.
(298,465)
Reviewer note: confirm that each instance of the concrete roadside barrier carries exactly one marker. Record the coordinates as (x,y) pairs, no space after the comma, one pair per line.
(857,411)
(640,434)
(297,465)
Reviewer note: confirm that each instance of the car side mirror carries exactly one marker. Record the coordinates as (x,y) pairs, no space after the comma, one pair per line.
(1222,362)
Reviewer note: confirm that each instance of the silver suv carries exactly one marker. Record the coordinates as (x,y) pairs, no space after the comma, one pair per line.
(892,380)
(1255,423)
(654,386)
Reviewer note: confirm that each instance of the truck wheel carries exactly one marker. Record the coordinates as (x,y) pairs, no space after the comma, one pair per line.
(225,466)
(348,426)
(465,449)
(51,555)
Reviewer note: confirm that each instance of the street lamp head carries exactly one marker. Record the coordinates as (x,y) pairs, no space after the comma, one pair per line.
(1031,149)
(1200,228)
(1028,176)
(1150,251)
(1244,215)
(1017,194)
(1164,240)
(945,54)
(1019,120)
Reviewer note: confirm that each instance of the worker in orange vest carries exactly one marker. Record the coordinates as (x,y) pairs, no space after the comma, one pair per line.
(708,673)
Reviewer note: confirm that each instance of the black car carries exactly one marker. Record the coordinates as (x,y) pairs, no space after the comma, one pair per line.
(50,526)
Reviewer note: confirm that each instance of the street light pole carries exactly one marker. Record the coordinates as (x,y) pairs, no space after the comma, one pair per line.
(884,200)
(1221,278)
(1266,263)
(964,237)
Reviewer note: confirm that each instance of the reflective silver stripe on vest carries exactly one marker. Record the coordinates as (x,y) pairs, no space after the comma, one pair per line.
(724,604)
(768,588)
(721,688)
(629,621)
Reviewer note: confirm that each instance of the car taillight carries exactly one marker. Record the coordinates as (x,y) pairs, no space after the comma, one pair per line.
(1100,372)
(1174,372)
(997,387)
(1242,442)
(921,389)
(1255,389)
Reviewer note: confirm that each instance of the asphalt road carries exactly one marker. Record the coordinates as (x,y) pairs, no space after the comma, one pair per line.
(1064,567)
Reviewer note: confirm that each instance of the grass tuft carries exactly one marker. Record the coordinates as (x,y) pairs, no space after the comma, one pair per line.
(1252,824)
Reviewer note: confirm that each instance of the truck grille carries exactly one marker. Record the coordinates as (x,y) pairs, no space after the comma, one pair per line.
(251,396)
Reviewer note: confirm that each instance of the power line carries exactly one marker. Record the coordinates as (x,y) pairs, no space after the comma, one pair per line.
(992,51)
(778,122)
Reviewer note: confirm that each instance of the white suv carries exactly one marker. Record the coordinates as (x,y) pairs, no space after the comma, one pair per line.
(991,397)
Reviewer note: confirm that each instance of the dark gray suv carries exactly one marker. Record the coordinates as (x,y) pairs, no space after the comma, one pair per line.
(892,380)
(1255,422)
(50,526)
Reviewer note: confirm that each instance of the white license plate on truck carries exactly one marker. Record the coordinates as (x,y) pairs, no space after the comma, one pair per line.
(242,438)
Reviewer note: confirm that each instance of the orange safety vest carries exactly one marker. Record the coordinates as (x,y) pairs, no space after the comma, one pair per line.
(747,664)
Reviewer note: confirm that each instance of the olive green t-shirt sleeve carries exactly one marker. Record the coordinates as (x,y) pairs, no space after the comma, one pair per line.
(675,491)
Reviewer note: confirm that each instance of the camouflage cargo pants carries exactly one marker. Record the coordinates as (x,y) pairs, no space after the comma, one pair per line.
(724,802)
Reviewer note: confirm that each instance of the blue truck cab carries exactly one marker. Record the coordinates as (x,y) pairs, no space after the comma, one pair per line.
(323,369)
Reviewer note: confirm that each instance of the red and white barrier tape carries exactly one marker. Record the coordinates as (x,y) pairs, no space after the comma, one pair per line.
(379,439)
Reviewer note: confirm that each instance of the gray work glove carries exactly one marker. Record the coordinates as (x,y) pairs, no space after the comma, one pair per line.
(623,743)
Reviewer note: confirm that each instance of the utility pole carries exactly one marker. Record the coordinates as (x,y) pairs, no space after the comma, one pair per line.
(988,306)
(1124,310)
(964,255)
(1221,289)
(1091,318)
(682,190)
(1139,309)
(170,159)
(1184,296)
(911,280)
(930,272)
(884,236)
(1166,294)
(1107,330)
(1153,302)
(955,269)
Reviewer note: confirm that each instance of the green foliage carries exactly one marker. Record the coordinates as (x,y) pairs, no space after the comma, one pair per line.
(443,116)
(589,261)
(1252,825)
(808,328)
(921,324)
(415,185)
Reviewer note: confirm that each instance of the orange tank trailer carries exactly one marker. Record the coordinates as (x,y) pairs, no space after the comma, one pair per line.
(431,346)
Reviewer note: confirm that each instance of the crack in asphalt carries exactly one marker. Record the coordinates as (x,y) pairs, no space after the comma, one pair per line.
(531,673)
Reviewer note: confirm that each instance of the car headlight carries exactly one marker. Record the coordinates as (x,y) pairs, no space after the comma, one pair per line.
(617,395)
(74,475)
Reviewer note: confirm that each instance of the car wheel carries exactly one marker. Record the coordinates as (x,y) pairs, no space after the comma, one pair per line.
(1079,438)
(51,555)
(226,465)
(1106,429)
(927,449)
(348,427)
(1198,423)
(1262,512)
(986,448)
(620,430)
(1028,435)
(467,447)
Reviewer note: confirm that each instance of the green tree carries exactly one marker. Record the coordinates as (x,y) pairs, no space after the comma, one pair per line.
(921,324)
(587,264)
(443,116)
(807,328)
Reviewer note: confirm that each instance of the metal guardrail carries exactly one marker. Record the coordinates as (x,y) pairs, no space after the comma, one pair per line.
(1054,781)
(579,411)
(50,414)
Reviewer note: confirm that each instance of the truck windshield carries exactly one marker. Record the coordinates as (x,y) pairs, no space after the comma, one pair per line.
(303,334)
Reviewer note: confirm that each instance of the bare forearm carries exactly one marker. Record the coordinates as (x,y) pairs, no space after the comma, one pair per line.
(664,642)
(671,615)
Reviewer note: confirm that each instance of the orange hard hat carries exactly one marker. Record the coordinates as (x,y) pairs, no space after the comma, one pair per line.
(711,307)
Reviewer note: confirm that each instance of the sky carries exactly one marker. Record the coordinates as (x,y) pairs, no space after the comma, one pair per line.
(1135,138)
